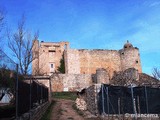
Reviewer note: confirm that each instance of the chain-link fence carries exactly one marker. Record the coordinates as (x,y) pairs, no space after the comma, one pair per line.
(132,100)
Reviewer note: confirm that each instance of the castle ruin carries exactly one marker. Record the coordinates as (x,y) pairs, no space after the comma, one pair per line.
(84,67)
(82,61)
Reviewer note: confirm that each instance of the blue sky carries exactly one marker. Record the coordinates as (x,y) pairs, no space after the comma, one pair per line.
(101,24)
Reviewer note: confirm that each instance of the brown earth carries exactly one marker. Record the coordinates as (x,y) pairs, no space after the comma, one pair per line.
(64,110)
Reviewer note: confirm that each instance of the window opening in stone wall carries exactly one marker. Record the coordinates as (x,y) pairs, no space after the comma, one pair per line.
(51,51)
(51,65)
(136,61)
(122,53)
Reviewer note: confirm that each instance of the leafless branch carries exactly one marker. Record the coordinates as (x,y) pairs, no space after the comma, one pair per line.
(21,45)
(156,73)
(2,16)
(1,19)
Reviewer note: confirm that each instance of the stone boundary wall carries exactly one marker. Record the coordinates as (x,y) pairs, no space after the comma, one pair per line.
(70,82)
(35,113)
(92,98)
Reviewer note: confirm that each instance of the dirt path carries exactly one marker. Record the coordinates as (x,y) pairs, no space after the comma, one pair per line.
(63,110)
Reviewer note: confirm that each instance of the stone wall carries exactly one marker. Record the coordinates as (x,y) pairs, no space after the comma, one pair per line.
(63,82)
(72,64)
(91,60)
(75,82)
(102,76)
(125,78)
(131,76)
(35,113)
(35,53)
(70,82)
(87,61)
(92,97)
(83,61)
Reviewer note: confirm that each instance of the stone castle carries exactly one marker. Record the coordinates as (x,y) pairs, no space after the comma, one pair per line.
(47,57)
(84,68)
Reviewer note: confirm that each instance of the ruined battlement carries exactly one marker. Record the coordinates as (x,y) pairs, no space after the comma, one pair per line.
(84,61)
(96,50)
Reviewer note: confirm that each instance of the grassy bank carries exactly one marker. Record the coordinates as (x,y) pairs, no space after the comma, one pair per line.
(64,95)
(48,112)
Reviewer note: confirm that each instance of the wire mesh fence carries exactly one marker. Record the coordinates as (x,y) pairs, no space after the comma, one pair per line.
(132,100)
(30,95)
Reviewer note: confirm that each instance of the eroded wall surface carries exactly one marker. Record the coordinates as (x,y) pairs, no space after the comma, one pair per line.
(91,60)
(83,61)
(88,61)
(72,63)
(70,82)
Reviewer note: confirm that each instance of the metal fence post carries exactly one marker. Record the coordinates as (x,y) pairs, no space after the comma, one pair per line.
(103,111)
(107,101)
(17,92)
(146,97)
(133,102)
(119,110)
(30,99)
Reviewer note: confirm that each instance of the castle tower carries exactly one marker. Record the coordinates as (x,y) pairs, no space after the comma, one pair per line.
(130,57)
(47,56)
(35,53)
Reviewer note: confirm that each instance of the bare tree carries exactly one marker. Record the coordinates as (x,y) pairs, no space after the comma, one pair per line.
(2,16)
(156,73)
(1,19)
(21,45)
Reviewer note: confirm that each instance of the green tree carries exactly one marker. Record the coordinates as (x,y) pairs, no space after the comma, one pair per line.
(61,68)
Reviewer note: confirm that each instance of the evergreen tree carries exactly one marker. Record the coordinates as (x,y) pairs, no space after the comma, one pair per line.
(61,68)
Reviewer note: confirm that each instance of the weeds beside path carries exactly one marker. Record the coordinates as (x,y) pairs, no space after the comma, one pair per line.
(63,110)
